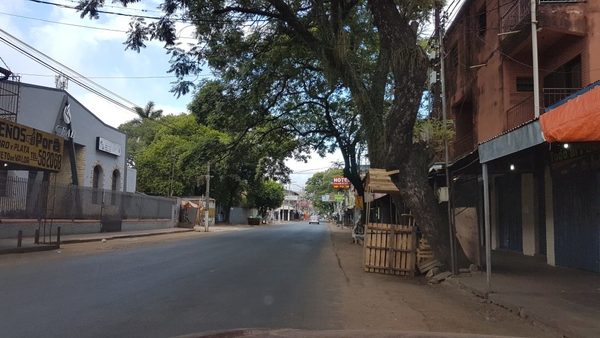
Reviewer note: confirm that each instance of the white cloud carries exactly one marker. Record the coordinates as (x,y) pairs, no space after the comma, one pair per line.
(109,113)
(303,171)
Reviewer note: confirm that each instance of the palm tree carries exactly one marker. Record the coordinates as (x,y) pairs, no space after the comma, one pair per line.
(148,112)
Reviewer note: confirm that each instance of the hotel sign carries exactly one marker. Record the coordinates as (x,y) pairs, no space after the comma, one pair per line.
(29,147)
(340,182)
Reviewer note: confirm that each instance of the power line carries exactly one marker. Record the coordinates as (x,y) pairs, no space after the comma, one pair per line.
(76,25)
(105,11)
(83,85)
(124,7)
(179,19)
(89,87)
(143,77)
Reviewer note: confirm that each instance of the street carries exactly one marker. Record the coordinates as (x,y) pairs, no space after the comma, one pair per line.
(281,276)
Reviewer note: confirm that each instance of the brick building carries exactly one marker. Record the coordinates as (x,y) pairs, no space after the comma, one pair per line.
(543,195)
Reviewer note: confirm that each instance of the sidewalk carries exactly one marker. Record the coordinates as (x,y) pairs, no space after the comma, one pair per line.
(9,245)
(565,299)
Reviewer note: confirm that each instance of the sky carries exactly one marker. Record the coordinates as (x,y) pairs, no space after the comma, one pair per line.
(101,53)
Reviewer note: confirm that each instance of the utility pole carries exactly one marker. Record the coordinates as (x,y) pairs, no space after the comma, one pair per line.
(534,54)
(206,213)
(440,32)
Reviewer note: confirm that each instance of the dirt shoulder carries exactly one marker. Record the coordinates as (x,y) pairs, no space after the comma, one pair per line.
(376,301)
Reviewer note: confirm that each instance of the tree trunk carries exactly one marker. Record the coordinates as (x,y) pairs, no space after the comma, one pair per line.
(419,197)
(408,65)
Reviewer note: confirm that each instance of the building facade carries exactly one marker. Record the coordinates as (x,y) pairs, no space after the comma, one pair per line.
(543,194)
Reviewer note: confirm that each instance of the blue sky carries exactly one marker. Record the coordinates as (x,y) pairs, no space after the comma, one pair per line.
(101,53)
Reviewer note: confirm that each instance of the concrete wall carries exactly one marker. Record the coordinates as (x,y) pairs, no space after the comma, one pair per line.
(41,108)
(239,215)
(10,228)
(131,180)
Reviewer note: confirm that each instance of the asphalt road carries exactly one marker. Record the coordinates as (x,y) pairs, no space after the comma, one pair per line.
(282,276)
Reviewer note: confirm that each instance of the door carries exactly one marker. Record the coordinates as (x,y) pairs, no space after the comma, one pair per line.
(510,230)
(576,219)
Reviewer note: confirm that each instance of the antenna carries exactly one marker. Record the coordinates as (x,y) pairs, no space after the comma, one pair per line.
(61,82)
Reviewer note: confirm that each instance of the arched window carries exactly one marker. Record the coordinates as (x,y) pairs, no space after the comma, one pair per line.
(97,184)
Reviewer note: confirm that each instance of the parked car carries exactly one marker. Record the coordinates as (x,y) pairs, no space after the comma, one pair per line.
(313,219)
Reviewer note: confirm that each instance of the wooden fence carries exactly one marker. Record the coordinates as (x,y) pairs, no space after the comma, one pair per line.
(390,248)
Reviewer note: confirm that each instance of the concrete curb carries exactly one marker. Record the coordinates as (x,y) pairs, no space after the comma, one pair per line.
(108,238)
(28,249)
(520,311)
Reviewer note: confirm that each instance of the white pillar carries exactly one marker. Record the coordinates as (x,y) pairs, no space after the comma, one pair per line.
(549,206)
(493,215)
(486,219)
(530,235)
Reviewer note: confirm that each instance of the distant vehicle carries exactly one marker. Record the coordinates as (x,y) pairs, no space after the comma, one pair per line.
(313,219)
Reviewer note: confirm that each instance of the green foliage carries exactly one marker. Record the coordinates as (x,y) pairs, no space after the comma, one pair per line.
(265,195)
(149,112)
(177,155)
(320,184)
(432,132)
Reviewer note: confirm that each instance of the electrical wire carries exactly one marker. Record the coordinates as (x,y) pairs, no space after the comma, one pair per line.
(76,25)
(106,12)
(124,7)
(142,77)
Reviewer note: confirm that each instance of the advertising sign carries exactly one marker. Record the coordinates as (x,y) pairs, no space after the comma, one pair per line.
(29,147)
(339,197)
(108,146)
(340,182)
(324,198)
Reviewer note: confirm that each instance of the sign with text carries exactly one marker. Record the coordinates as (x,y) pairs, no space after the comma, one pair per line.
(340,182)
(108,146)
(324,198)
(339,197)
(29,147)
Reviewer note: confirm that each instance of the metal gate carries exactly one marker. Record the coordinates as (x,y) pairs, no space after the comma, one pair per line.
(509,212)
(576,219)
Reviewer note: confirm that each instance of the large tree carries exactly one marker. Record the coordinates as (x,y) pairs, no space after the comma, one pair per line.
(370,47)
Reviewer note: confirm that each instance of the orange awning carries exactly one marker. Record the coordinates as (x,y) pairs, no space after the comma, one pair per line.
(574,119)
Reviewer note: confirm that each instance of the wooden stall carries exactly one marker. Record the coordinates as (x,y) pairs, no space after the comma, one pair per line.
(388,248)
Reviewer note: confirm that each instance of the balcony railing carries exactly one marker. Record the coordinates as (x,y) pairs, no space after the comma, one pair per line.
(522,112)
(518,11)
(553,95)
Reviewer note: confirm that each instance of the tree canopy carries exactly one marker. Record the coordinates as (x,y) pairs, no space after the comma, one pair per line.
(320,184)
(171,154)
(367,49)
(265,195)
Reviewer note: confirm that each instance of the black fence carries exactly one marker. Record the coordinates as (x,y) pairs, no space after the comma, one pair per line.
(21,198)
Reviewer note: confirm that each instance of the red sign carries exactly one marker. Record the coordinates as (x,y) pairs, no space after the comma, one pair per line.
(340,182)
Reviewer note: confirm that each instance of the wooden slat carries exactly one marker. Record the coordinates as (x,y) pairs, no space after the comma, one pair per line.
(395,269)
(390,249)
